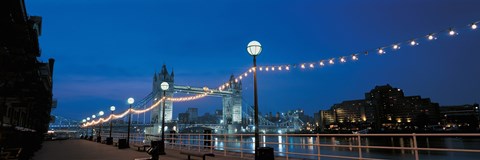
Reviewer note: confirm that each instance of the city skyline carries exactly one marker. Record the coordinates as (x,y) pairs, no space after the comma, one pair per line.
(110,53)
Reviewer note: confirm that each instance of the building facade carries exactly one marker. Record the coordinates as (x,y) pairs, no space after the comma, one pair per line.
(460,117)
(25,82)
(384,108)
(192,114)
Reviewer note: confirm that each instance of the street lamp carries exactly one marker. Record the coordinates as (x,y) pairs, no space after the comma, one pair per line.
(164,87)
(130,102)
(93,127)
(83,122)
(112,108)
(88,119)
(254,48)
(99,137)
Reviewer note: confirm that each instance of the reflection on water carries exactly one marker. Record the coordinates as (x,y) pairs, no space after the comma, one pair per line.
(308,145)
(280,144)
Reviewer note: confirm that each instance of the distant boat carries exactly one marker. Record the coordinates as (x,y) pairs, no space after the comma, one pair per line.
(363,131)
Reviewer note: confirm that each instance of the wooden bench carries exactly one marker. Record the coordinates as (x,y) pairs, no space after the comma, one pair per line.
(197,154)
(141,145)
(4,155)
(13,153)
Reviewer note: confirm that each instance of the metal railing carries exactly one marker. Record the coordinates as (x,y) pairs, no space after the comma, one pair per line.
(317,146)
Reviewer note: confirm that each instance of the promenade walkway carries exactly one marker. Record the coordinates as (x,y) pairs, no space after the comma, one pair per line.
(88,150)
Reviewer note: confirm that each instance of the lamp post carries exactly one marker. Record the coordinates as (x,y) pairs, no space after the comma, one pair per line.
(112,108)
(93,126)
(164,87)
(254,48)
(83,122)
(130,102)
(99,137)
(88,119)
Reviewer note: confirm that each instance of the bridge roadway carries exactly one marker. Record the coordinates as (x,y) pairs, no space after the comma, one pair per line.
(79,149)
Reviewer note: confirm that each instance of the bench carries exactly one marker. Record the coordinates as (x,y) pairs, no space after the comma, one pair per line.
(13,153)
(197,154)
(4,155)
(141,145)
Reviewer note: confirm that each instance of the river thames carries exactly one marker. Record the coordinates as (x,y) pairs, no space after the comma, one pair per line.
(307,145)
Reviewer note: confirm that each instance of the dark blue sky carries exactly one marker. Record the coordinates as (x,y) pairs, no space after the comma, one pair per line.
(108,50)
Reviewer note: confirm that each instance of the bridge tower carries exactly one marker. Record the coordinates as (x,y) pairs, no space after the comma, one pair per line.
(156,114)
(232,106)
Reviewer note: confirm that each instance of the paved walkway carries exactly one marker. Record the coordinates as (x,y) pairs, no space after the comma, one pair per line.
(84,150)
(88,150)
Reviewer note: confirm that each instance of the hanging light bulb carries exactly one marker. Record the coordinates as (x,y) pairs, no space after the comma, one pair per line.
(451,32)
(250,70)
(311,65)
(322,64)
(413,43)
(240,77)
(396,46)
(474,26)
(266,68)
(303,66)
(260,68)
(354,57)
(287,68)
(279,68)
(273,68)
(245,74)
(381,51)
(331,61)
(342,59)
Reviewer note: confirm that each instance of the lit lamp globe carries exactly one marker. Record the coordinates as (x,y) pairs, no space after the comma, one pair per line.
(164,86)
(101,113)
(93,116)
(130,100)
(88,118)
(254,48)
(112,108)
(84,120)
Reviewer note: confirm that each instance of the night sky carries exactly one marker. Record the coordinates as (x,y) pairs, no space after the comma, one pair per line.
(108,50)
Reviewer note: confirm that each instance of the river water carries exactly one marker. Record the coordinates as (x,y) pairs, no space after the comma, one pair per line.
(307,145)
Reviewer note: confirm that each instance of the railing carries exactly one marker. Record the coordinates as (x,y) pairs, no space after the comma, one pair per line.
(317,146)
(343,146)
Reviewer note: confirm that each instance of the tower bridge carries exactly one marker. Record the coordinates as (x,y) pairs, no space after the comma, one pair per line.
(235,118)
(233,114)
(231,99)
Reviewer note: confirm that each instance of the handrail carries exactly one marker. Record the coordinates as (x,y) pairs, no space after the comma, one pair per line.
(221,143)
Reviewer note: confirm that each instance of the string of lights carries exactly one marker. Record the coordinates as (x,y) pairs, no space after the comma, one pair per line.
(305,65)
(139,111)
(355,56)
(191,98)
